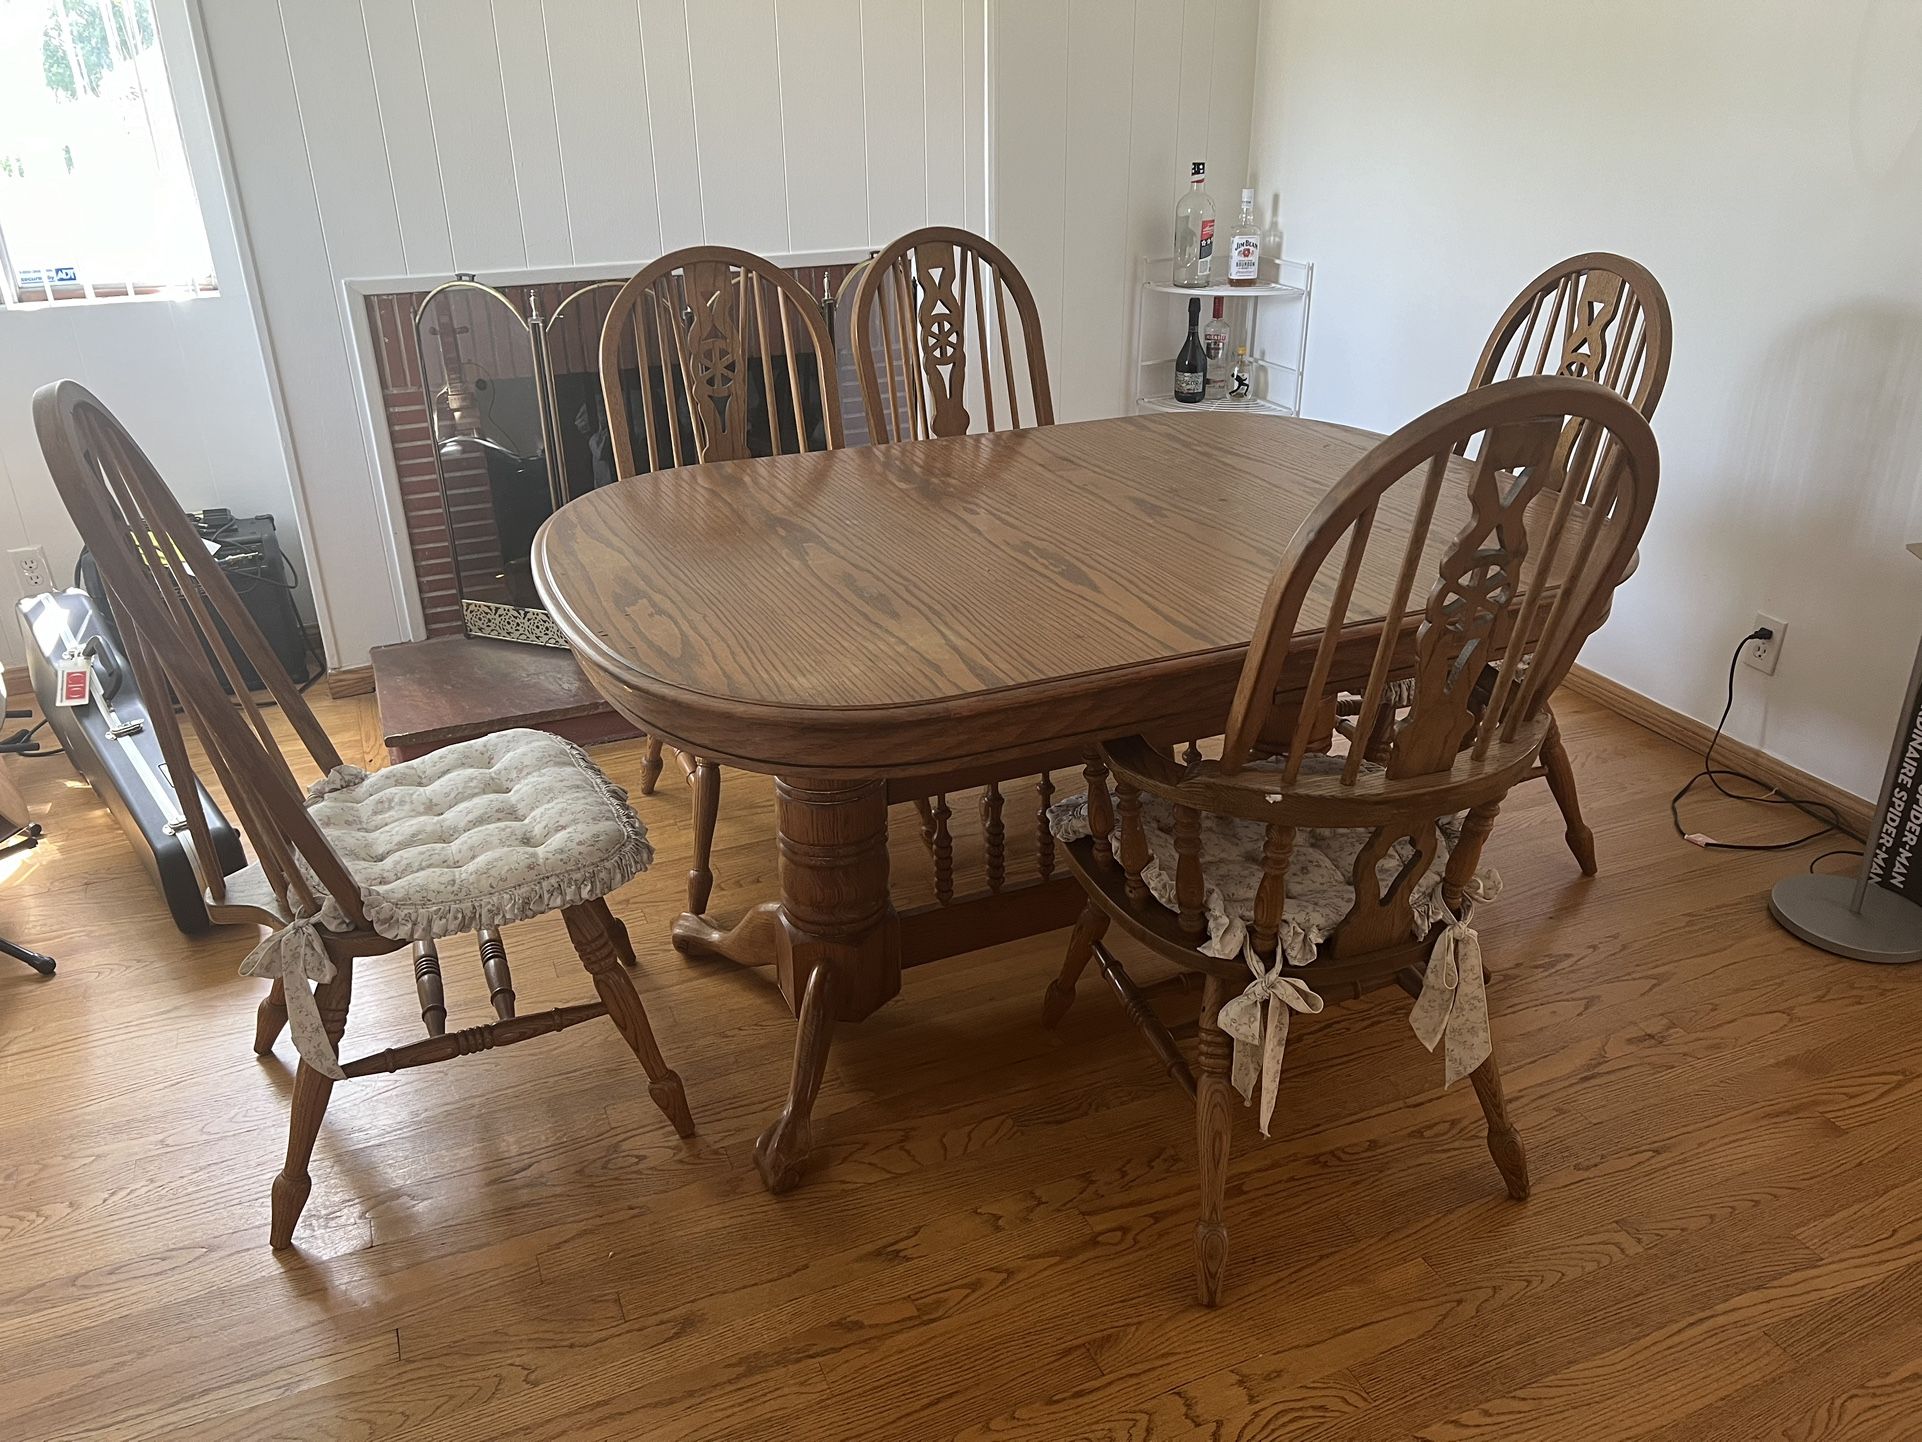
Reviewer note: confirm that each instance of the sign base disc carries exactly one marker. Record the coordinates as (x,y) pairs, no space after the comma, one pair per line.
(1888,929)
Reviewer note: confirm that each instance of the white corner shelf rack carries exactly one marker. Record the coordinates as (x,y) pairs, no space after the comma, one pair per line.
(1271,317)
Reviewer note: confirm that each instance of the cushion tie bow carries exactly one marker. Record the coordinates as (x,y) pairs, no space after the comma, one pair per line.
(295,955)
(1454,999)
(1261,1039)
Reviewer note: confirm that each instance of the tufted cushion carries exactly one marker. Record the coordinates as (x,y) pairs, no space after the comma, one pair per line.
(1318,893)
(481,833)
(1317,896)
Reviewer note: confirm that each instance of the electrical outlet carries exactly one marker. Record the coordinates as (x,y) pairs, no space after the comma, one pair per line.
(1762,654)
(31,570)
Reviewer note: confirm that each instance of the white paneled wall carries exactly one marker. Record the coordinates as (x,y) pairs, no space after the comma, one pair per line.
(422,137)
(186,376)
(1097,107)
(1765,161)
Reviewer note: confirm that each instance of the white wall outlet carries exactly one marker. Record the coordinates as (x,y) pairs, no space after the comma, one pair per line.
(31,570)
(1762,654)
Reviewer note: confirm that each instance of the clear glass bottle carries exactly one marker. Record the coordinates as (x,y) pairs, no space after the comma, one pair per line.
(1195,232)
(1214,344)
(1244,244)
(1241,381)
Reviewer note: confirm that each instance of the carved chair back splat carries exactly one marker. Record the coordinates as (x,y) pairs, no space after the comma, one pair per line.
(176,613)
(946,340)
(713,354)
(1478,644)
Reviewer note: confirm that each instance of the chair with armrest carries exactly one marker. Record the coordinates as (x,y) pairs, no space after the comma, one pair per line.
(469,838)
(1287,879)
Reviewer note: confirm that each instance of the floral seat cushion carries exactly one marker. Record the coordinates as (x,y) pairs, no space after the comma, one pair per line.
(478,834)
(1317,896)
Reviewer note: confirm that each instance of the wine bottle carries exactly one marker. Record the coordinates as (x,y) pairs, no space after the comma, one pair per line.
(1214,344)
(1195,232)
(1244,244)
(1191,365)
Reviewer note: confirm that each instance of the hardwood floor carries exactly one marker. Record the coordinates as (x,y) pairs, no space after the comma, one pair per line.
(1724,1242)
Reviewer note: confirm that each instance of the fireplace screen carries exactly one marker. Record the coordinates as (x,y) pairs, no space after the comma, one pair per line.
(514,405)
(494,414)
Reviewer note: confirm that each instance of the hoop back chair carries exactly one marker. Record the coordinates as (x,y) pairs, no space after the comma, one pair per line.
(321,881)
(946,339)
(935,348)
(1598,317)
(1287,879)
(714,354)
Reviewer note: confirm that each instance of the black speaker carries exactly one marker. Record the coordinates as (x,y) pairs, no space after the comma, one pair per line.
(247,550)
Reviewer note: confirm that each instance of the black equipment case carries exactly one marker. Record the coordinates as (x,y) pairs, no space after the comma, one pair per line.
(111,744)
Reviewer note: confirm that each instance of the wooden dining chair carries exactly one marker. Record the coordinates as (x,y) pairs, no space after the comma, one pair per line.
(946,340)
(714,354)
(1287,880)
(469,838)
(1597,317)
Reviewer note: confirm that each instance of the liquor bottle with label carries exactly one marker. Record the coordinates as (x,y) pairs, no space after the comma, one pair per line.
(1195,232)
(1241,381)
(1244,244)
(1214,345)
(1191,365)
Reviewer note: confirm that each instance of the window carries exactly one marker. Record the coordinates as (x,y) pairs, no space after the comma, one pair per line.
(96,200)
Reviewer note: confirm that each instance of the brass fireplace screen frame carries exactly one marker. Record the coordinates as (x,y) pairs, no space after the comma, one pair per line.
(462,387)
(517,427)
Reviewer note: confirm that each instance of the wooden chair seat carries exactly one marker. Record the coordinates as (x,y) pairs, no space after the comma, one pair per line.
(1318,884)
(1159,930)
(472,837)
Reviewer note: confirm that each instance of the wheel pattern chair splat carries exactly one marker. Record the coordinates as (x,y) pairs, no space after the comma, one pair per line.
(714,354)
(469,838)
(945,340)
(1305,875)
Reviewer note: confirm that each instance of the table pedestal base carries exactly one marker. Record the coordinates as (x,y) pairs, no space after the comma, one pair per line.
(833,940)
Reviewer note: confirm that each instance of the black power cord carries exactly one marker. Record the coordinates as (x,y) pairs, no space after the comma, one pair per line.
(1821,811)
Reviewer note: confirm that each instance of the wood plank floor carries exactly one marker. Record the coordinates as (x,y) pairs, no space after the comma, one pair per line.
(1725,1240)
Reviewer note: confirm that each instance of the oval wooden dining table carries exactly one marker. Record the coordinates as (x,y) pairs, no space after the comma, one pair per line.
(888,622)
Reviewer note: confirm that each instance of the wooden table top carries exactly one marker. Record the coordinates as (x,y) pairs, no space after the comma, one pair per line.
(920,580)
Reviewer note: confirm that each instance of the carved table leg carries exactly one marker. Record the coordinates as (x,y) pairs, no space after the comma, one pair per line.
(838,942)
(781,1153)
